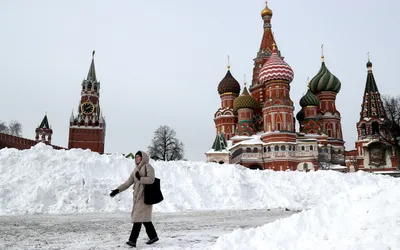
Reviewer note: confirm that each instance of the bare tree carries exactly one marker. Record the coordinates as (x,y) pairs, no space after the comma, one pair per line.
(15,128)
(323,160)
(3,128)
(392,127)
(165,146)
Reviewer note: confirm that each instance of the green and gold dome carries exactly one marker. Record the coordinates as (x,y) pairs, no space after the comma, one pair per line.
(309,99)
(245,100)
(324,81)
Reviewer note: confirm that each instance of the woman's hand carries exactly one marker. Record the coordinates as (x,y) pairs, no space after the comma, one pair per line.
(114,192)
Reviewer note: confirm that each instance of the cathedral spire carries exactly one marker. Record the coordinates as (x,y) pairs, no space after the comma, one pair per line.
(92,72)
(372,106)
(268,36)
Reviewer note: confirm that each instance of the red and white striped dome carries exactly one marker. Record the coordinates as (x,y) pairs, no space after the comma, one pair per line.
(275,69)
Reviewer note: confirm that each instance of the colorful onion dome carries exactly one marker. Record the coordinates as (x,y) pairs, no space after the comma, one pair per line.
(245,100)
(275,69)
(266,11)
(309,99)
(229,84)
(324,81)
(301,115)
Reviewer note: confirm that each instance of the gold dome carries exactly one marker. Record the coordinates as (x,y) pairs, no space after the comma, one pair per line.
(266,11)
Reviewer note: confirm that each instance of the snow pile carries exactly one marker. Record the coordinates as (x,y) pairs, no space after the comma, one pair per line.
(365,217)
(43,180)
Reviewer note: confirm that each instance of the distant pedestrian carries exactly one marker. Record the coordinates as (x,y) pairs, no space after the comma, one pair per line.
(141,212)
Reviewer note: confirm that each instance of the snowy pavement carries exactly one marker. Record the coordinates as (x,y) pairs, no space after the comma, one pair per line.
(183,230)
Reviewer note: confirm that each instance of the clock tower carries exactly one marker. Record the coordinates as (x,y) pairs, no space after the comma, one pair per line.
(87,129)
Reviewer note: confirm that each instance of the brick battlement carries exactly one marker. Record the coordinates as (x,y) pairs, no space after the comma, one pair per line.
(11,141)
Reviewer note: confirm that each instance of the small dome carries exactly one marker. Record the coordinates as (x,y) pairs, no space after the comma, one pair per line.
(301,115)
(266,11)
(229,84)
(325,81)
(309,99)
(245,100)
(275,69)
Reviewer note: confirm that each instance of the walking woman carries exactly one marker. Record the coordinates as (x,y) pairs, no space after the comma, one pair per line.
(141,213)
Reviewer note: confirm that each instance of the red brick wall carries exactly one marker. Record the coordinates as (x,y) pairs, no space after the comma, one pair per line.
(10,141)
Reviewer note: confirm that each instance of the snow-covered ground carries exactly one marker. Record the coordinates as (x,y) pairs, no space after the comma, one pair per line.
(340,211)
(179,230)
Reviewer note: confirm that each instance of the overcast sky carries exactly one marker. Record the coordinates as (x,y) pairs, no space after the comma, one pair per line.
(159,62)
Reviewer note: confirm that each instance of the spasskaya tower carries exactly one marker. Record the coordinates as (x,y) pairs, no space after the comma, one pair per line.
(87,130)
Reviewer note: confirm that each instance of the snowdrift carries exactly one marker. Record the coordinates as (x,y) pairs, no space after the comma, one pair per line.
(43,180)
(367,217)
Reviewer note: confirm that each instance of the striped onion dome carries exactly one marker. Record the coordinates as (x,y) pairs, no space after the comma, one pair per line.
(309,99)
(275,69)
(245,100)
(229,84)
(325,81)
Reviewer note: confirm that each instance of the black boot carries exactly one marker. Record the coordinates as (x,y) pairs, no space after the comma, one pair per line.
(152,241)
(131,243)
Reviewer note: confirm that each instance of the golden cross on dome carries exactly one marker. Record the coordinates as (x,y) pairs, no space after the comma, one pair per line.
(322,49)
(245,80)
(229,63)
(368,57)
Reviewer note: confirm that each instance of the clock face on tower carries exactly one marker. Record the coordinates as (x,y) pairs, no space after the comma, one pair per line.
(87,108)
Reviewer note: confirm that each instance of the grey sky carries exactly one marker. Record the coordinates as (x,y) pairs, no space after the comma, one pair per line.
(159,62)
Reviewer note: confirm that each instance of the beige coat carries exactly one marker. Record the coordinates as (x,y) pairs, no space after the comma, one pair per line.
(140,211)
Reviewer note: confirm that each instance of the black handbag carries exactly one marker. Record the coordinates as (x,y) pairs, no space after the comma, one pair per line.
(152,192)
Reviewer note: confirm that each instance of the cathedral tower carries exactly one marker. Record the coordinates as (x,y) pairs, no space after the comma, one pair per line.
(373,152)
(87,129)
(224,118)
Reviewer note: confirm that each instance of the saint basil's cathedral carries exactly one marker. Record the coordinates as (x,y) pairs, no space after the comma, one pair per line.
(256,127)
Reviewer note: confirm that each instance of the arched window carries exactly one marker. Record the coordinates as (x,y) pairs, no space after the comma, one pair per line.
(303,148)
(311,148)
(265,149)
(255,150)
(276,148)
(294,148)
(375,127)
(290,147)
(363,129)
(283,148)
(248,150)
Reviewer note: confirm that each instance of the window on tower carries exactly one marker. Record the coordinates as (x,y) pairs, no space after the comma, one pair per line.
(375,128)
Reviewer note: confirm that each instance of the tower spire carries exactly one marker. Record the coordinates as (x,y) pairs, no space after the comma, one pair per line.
(268,36)
(92,72)
(372,103)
